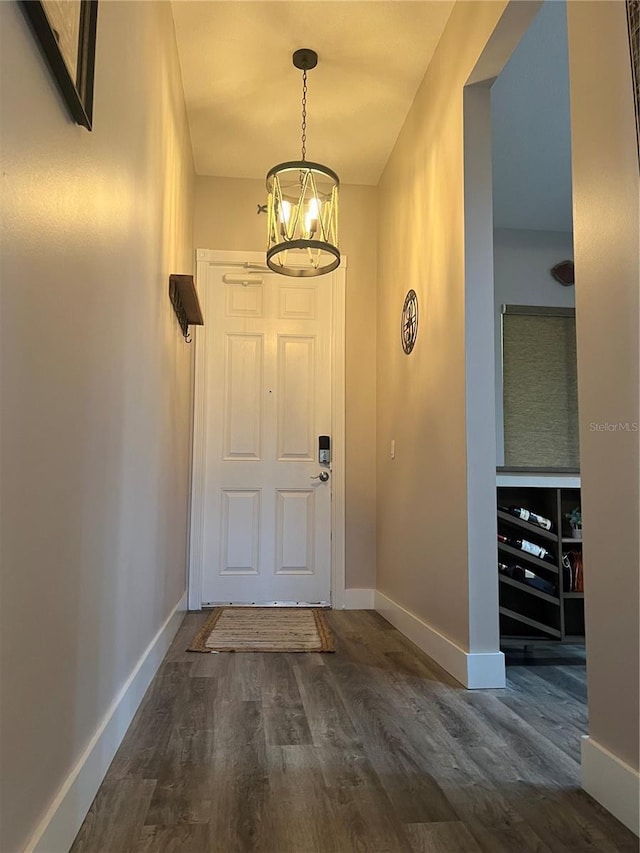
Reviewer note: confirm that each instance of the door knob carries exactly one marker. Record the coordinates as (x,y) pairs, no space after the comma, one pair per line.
(323,476)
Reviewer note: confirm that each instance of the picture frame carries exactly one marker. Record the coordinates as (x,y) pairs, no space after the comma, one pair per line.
(65,31)
(633,22)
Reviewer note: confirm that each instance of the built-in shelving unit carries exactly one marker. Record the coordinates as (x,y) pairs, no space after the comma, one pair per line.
(528,613)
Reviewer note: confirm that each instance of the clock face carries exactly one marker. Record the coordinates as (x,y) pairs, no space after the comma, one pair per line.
(409,326)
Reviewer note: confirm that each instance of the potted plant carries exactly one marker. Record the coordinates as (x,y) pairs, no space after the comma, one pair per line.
(575,520)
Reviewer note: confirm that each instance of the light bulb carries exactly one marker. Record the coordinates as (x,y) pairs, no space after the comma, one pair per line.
(312,216)
(285,215)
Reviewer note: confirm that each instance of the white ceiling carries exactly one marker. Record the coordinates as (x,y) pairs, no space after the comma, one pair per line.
(532,129)
(243,93)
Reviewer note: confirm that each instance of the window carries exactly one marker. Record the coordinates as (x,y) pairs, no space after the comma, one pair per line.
(540,387)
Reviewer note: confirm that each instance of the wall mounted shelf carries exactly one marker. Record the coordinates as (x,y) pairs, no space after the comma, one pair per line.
(184,298)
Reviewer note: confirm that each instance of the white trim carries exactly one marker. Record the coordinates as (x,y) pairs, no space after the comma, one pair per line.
(482,553)
(338,438)
(485,669)
(614,784)
(359,599)
(199,445)
(472,669)
(560,481)
(59,826)
(215,257)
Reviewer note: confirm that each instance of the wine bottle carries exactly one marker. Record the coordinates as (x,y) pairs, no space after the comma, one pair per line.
(512,571)
(527,515)
(528,547)
(518,573)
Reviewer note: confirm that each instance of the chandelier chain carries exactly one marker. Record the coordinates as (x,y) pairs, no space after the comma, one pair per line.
(304,114)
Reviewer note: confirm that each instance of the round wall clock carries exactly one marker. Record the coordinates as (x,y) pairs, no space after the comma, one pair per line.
(409,326)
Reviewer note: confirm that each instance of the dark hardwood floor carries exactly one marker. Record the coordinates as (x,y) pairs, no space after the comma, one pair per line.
(374,748)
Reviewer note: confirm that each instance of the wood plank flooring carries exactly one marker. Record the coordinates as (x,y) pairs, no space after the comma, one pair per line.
(374,749)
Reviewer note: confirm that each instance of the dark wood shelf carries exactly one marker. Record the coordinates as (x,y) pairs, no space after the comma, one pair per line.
(525,640)
(524,525)
(522,555)
(184,298)
(531,623)
(568,539)
(538,593)
(573,594)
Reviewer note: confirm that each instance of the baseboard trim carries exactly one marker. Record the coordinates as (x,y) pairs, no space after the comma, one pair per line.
(359,599)
(474,670)
(58,828)
(614,784)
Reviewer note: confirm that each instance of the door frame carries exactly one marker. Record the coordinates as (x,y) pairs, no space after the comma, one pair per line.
(207,259)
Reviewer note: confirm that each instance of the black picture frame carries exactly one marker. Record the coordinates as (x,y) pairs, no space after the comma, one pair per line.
(75,83)
(633,21)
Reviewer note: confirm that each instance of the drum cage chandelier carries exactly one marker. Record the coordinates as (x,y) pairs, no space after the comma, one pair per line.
(302,206)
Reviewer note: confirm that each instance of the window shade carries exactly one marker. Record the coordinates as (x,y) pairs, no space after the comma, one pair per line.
(540,387)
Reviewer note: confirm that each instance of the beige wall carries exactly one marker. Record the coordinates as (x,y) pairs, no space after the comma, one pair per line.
(95,390)
(226,218)
(422,508)
(606,227)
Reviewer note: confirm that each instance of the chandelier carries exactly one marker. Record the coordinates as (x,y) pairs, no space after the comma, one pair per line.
(302,207)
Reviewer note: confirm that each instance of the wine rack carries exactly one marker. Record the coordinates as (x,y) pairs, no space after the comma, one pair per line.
(528,613)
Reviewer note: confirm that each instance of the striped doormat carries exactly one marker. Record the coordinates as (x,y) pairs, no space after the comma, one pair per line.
(264,629)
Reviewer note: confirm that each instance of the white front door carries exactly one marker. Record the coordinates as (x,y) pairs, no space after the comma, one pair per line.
(266,531)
